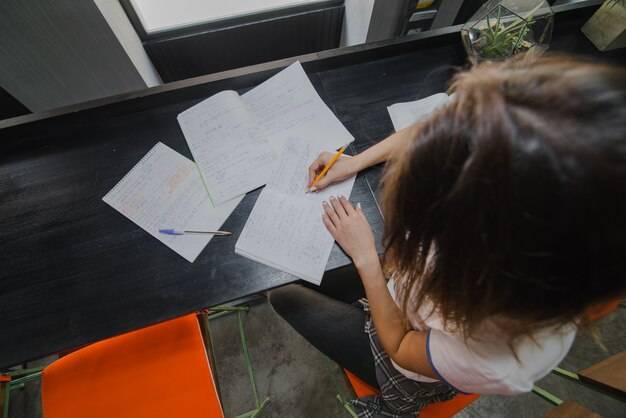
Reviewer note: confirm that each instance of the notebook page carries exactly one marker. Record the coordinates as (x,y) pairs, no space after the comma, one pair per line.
(291,173)
(285,228)
(164,190)
(287,234)
(287,105)
(406,114)
(228,145)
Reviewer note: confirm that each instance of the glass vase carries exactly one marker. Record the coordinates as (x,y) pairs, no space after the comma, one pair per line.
(503,28)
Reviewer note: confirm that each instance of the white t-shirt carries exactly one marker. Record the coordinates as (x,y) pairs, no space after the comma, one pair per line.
(485,363)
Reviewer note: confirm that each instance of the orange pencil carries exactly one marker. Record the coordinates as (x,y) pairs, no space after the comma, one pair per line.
(330,164)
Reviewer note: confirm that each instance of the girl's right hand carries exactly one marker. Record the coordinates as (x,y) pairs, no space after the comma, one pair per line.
(345,167)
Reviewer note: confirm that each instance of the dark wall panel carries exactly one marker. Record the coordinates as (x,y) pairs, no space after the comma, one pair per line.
(62,52)
(220,49)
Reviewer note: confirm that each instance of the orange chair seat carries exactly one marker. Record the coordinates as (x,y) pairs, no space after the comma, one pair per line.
(434,410)
(159,371)
(596,312)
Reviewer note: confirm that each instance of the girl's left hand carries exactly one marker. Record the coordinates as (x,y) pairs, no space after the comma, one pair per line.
(350,229)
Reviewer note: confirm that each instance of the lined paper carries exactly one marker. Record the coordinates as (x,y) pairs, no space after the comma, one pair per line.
(235,140)
(228,145)
(164,190)
(285,229)
(287,105)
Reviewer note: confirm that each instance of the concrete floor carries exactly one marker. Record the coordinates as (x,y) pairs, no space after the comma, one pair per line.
(295,376)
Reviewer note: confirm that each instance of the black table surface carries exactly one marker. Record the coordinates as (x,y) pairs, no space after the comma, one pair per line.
(75,271)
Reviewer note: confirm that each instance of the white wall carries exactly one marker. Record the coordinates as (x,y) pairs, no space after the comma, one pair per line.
(356,21)
(118,21)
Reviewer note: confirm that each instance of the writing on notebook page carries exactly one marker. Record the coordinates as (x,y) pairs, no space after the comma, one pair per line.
(228,146)
(289,112)
(298,241)
(285,229)
(234,140)
(287,105)
(291,175)
(164,189)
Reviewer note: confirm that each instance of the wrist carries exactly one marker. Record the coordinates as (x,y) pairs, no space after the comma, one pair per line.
(359,163)
(367,262)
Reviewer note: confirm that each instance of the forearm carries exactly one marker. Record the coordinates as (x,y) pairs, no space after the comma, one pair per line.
(350,229)
(407,348)
(381,151)
(385,313)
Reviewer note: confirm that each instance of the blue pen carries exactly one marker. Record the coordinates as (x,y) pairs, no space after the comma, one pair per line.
(175,232)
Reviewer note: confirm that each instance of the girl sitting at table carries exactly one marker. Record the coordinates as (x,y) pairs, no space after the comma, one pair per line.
(504,223)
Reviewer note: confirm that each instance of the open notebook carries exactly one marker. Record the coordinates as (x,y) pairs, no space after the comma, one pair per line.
(236,139)
(285,229)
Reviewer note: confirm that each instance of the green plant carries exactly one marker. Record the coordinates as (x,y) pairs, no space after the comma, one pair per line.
(497,40)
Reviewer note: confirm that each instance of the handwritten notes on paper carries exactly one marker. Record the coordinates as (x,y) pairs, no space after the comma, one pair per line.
(228,145)
(285,229)
(164,190)
(235,140)
(287,105)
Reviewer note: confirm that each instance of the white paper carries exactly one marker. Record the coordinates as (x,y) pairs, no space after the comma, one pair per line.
(235,140)
(287,105)
(164,190)
(285,229)
(406,114)
(228,145)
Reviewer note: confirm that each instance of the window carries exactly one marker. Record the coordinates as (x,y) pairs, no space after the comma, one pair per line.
(163,15)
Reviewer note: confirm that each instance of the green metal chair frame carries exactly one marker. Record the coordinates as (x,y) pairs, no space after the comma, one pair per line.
(544,394)
(573,377)
(225,310)
(27,375)
(556,401)
(346,404)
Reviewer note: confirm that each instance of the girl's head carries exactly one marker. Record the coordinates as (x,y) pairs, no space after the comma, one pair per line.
(517,191)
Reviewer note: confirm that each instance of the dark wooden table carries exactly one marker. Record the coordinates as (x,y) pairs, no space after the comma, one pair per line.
(74,270)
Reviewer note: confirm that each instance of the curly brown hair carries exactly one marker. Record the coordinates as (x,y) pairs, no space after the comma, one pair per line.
(515,194)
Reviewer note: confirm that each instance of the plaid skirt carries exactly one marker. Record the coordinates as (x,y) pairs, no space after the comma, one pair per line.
(399,397)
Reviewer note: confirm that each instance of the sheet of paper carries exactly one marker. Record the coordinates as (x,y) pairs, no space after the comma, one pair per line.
(228,145)
(287,105)
(291,173)
(406,114)
(164,190)
(285,228)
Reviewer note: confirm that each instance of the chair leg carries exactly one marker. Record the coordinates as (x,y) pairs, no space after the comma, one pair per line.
(566,374)
(263,405)
(210,348)
(248,362)
(246,354)
(343,403)
(225,310)
(542,393)
(4,392)
(14,384)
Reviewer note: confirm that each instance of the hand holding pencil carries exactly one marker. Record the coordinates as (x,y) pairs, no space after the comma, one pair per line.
(330,168)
